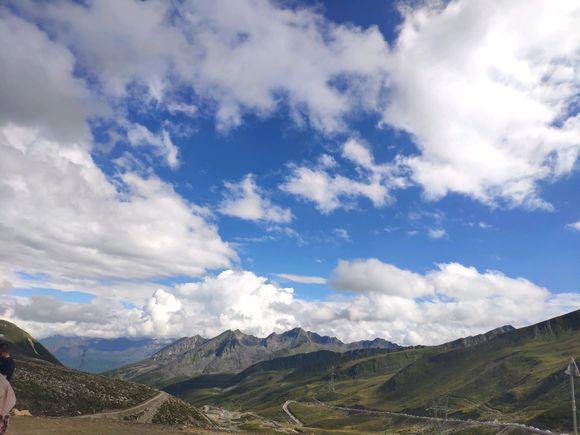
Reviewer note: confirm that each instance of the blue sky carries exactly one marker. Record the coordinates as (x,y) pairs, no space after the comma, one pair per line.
(400,153)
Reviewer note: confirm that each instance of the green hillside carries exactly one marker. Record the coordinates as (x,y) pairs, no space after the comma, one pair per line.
(22,344)
(515,376)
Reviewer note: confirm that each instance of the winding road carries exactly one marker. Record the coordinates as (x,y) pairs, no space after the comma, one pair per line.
(418,417)
(287,411)
(143,412)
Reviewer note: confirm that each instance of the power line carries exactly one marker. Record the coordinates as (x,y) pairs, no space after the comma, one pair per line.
(331,378)
(572,370)
(440,410)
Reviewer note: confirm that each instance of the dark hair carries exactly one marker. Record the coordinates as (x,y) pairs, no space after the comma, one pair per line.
(4,347)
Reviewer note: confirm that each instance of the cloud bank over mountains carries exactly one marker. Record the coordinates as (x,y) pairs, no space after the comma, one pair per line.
(447,302)
(488,96)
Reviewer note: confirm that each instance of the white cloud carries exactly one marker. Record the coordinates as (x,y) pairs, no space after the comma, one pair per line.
(302,279)
(158,312)
(139,135)
(330,191)
(489,108)
(437,233)
(575,226)
(449,302)
(187,109)
(62,215)
(38,88)
(373,275)
(227,54)
(246,200)
(486,90)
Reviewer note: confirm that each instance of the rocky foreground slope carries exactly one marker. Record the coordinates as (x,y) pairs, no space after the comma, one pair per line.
(47,388)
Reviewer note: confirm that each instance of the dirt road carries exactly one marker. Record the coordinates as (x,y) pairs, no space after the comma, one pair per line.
(287,411)
(142,412)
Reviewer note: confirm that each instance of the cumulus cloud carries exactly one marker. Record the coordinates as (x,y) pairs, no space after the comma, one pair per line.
(158,313)
(227,54)
(246,200)
(38,88)
(373,275)
(490,109)
(319,183)
(448,302)
(575,226)
(487,91)
(302,279)
(45,315)
(62,215)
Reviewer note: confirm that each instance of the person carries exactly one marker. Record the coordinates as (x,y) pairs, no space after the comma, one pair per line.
(6,362)
(7,402)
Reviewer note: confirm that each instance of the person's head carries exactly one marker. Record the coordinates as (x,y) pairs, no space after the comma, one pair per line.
(4,350)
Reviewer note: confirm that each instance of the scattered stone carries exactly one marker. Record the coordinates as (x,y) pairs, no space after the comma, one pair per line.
(23,413)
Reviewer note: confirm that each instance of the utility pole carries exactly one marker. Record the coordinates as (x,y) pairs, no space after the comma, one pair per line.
(572,370)
(440,410)
(82,361)
(331,380)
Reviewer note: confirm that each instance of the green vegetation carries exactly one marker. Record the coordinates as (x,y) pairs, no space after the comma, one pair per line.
(516,376)
(323,420)
(22,344)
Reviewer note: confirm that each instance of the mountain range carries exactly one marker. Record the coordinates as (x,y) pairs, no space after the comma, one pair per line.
(97,355)
(508,374)
(231,352)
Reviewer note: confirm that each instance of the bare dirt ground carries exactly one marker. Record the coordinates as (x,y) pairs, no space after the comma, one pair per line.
(76,426)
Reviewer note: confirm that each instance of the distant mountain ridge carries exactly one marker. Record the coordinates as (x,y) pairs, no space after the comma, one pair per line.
(480,338)
(97,355)
(232,352)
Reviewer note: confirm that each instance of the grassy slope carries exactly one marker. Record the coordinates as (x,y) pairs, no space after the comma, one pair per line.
(517,376)
(322,420)
(23,344)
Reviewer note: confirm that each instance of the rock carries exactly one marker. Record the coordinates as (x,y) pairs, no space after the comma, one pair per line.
(23,413)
